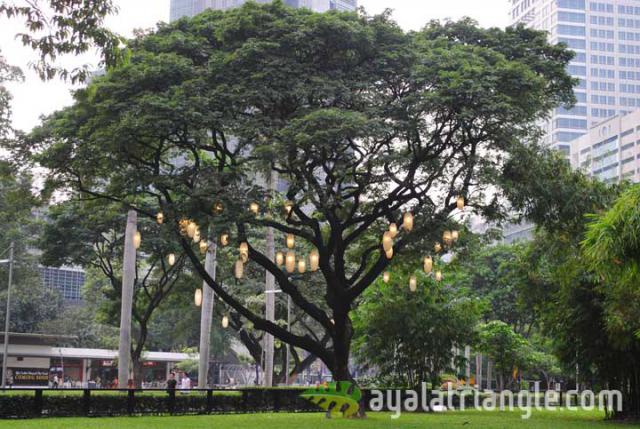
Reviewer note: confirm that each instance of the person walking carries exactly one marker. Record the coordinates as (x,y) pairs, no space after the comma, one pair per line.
(172,383)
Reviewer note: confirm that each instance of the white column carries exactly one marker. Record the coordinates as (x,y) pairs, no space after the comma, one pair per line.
(489,373)
(467,359)
(269,298)
(479,370)
(128,277)
(206,315)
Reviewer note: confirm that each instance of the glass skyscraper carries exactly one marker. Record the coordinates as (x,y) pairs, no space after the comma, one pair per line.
(605,35)
(180,8)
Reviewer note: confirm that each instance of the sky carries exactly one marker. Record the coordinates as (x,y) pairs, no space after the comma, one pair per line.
(34,98)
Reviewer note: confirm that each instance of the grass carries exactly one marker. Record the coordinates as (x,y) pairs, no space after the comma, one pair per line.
(469,419)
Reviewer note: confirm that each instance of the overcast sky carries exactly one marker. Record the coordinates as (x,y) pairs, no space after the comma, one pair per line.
(34,98)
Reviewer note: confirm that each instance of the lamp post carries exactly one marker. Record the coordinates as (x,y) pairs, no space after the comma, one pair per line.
(5,354)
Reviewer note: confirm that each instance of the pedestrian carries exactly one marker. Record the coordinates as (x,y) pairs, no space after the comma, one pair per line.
(171,381)
(56,381)
(185,382)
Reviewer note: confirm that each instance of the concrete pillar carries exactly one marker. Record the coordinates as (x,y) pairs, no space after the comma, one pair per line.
(206,314)
(489,374)
(269,298)
(128,277)
(467,365)
(479,370)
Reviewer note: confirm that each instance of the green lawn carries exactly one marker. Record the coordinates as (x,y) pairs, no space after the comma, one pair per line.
(470,419)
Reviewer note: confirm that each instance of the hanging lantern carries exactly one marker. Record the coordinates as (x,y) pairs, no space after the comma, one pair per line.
(302,266)
(279,259)
(413,284)
(437,247)
(218,208)
(225,322)
(393,230)
(197,298)
(184,225)
(288,207)
(196,235)
(428,264)
(438,276)
(407,221)
(460,202)
(446,237)
(290,262)
(314,260)
(137,239)
(255,208)
(244,251)
(224,239)
(386,277)
(238,269)
(389,253)
(204,246)
(160,218)
(191,229)
(455,235)
(171,259)
(387,241)
(291,241)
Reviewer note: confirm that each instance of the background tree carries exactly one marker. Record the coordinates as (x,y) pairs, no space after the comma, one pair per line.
(410,337)
(362,121)
(58,27)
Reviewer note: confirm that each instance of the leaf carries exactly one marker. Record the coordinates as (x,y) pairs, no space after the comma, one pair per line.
(341,396)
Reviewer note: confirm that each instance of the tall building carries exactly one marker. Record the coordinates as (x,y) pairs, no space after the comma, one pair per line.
(67,281)
(610,151)
(605,35)
(180,8)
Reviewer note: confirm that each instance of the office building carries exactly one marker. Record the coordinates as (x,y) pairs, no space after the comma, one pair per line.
(67,281)
(605,36)
(610,151)
(181,8)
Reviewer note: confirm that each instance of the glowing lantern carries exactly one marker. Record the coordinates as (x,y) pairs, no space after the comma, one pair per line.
(244,251)
(387,241)
(413,284)
(389,253)
(302,266)
(460,202)
(290,262)
(288,207)
(171,259)
(455,235)
(407,221)
(196,236)
(191,229)
(160,218)
(203,246)
(386,277)
(393,230)
(238,269)
(438,276)
(224,239)
(197,298)
(279,258)
(225,322)
(446,237)
(314,260)
(437,247)
(137,239)
(428,264)
(291,241)
(255,208)
(218,207)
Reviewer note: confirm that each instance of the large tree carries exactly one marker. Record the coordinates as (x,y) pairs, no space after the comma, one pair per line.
(361,121)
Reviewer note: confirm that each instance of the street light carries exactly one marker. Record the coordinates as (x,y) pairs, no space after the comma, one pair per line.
(5,354)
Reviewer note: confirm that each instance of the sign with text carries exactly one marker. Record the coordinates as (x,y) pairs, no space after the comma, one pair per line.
(30,377)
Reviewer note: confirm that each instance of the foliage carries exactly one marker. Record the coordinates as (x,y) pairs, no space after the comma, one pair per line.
(57,27)
(507,349)
(411,337)
(8,73)
(612,248)
(360,120)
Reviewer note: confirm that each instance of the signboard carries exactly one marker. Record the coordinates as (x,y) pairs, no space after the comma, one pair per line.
(30,376)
